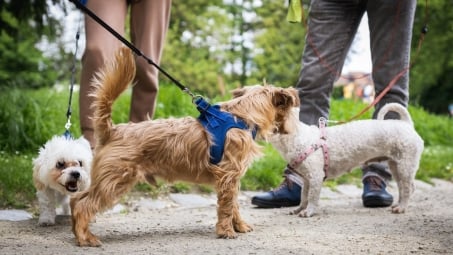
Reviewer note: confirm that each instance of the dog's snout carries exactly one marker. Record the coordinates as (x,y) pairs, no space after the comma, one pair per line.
(75,175)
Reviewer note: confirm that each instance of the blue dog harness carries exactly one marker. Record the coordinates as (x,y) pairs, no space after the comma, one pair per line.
(217,123)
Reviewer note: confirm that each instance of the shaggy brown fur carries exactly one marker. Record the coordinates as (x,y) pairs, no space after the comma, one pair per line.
(173,149)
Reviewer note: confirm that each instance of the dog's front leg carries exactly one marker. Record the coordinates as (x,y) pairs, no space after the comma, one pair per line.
(314,184)
(238,223)
(303,196)
(47,213)
(226,197)
(81,214)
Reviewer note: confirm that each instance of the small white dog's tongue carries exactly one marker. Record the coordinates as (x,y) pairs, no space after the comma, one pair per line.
(71,186)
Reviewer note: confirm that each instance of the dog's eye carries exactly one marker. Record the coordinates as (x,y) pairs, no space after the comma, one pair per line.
(80,163)
(60,165)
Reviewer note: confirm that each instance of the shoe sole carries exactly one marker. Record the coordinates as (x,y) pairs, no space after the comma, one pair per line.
(273,204)
(377,202)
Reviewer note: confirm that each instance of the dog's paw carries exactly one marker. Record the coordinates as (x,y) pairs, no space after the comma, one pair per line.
(398,209)
(243,227)
(46,222)
(226,233)
(296,211)
(90,241)
(306,213)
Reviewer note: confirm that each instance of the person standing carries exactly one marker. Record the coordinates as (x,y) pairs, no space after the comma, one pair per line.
(149,21)
(331,29)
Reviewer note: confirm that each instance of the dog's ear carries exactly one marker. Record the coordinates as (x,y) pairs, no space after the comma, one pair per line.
(295,94)
(285,98)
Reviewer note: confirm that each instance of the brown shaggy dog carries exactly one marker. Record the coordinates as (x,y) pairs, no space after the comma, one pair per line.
(173,149)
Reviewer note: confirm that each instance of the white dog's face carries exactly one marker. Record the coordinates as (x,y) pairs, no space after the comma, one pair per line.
(63,165)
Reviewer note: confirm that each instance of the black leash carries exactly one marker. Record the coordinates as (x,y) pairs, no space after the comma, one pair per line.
(87,11)
(67,133)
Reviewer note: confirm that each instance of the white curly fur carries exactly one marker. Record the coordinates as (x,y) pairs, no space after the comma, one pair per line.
(61,169)
(351,145)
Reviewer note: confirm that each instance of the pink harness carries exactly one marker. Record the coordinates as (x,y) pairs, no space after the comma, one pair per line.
(320,144)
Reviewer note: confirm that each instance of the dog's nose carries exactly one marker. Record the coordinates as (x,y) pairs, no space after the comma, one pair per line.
(75,175)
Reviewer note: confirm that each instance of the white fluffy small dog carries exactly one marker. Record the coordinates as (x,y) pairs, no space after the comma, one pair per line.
(61,169)
(350,145)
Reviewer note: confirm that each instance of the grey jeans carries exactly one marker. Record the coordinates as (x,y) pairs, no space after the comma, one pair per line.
(332,25)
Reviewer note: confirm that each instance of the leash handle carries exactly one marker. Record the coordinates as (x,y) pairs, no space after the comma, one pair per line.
(87,11)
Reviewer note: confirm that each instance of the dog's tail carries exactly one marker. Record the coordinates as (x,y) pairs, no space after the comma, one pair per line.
(398,108)
(109,83)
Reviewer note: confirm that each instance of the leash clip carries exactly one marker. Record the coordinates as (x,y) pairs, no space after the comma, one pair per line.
(68,124)
(322,122)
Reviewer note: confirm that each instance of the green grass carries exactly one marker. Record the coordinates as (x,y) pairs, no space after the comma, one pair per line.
(28,118)
(16,185)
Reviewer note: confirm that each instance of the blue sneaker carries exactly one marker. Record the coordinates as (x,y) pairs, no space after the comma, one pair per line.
(374,193)
(287,194)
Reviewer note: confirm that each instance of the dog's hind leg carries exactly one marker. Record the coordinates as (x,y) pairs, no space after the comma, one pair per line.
(404,175)
(81,216)
(108,184)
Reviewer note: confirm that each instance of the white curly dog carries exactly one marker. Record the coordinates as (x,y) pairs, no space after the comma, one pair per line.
(61,169)
(316,153)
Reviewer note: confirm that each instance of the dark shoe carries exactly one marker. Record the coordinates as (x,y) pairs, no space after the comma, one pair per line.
(287,194)
(374,193)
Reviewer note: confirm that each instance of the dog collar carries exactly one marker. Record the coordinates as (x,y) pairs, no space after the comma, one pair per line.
(217,123)
(322,143)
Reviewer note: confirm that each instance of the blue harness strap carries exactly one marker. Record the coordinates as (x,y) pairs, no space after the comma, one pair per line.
(67,135)
(217,123)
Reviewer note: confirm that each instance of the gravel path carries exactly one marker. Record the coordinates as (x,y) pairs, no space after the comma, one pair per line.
(185,224)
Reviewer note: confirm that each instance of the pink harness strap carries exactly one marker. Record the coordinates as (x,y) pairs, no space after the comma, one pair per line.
(320,144)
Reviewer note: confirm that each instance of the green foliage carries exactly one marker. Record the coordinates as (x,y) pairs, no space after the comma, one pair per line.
(22,27)
(203,45)
(181,187)
(28,118)
(16,186)
(22,65)
(434,130)
(33,12)
(265,173)
(437,161)
(279,46)
(173,102)
(196,42)
(431,83)
(206,39)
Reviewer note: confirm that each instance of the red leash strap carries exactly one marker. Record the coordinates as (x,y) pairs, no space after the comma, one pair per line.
(379,97)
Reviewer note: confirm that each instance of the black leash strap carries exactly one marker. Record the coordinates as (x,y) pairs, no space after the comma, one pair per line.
(67,134)
(87,11)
